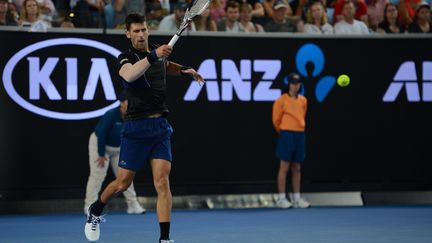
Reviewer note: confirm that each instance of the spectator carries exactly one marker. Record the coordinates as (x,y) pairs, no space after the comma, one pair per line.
(18,4)
(349,25)
(375,11)
(360,10)
(257,7)
(391,23)
(63,7)
(280,22)
(217,10)
(30,17)
(246,19)
(407,10)
(172,22)
(67,23)
(13,12)
(299,7)
(422,20)
(46,9)
(268,10)
(5,17)
(124,7)
(316,19)
(204,22)
(88,13)
(231,22)
(154,14)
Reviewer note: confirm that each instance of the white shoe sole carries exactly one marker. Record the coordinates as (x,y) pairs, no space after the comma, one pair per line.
(90,237)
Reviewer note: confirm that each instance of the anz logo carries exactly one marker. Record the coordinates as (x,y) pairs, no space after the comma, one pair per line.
(40,72)
(406,79)
(312,54)
(238,80)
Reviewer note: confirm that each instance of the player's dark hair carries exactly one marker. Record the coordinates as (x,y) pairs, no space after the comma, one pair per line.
(134,18)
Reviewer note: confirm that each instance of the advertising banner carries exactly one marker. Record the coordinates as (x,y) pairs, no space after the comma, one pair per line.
(55,86)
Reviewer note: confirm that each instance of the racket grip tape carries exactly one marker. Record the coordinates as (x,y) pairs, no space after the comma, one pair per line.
(173,40)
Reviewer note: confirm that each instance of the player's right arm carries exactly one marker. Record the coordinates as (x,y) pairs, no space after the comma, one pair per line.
(131,72)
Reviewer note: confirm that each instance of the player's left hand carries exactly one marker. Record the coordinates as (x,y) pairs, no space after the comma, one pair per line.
(195,75)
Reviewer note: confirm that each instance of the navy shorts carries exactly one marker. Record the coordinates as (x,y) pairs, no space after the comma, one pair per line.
(291,146)
(143,140)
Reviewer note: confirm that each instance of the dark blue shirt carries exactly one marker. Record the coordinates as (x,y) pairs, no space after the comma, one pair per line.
(108,130)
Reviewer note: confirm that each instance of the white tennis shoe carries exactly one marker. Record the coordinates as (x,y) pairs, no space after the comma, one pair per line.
(301,203)
(134,208)
(167,241)
(91,229)
(282,202)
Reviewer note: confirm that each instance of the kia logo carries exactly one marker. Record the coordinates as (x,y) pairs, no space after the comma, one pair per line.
(40,71)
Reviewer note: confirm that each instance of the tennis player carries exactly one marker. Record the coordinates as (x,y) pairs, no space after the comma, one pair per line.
(146,132)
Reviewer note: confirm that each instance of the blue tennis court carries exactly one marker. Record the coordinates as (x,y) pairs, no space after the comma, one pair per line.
(318,224)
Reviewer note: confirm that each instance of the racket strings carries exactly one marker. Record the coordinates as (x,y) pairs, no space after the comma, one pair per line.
(198,7)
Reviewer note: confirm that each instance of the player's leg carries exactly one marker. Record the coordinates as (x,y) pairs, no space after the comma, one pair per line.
(121,183)
(133,156)
(133,206)
(96,176)
(160,162)
(161,169)
(94,218)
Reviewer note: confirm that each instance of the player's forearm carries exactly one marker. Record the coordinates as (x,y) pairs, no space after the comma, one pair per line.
(174,68)
(131,72)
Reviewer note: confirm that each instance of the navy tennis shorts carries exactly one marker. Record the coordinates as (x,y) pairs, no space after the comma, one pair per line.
(291,146)
(143,140)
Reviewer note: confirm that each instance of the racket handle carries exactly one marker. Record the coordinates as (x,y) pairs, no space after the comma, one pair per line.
(173,40)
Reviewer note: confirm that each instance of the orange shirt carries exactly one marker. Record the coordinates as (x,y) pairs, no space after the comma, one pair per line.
(289,113)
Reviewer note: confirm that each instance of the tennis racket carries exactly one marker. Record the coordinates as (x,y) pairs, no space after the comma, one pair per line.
(197,8)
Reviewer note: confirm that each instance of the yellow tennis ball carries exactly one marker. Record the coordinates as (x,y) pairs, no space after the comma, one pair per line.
(343,80)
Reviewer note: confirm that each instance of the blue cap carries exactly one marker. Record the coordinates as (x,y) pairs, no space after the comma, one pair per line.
(294,78)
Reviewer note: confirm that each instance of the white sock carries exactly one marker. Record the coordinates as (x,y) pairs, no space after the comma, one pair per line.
(282,195)
(296,196)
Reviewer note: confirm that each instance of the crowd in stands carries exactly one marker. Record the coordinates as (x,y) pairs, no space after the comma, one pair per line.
(293,16)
